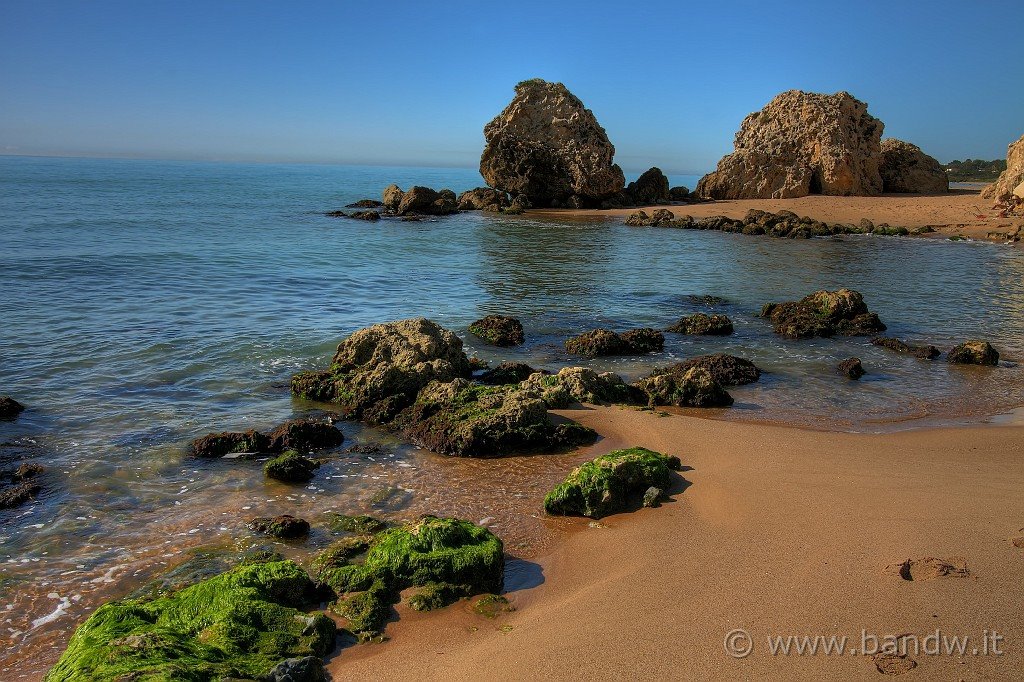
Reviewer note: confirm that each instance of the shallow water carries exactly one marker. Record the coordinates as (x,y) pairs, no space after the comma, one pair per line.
(145,303)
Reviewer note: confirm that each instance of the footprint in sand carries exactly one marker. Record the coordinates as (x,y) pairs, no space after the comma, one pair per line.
(929,568)
(893,664)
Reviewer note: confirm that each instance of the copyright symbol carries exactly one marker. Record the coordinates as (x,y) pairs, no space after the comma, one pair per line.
(738,643)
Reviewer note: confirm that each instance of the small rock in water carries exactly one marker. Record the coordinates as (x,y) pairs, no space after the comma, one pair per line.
(10,408)
(652,498)
(366,203)
(851,368)
(285,527)
(974,353)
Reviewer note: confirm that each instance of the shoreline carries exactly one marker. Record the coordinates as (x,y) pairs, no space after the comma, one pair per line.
(960,212)
(777,530)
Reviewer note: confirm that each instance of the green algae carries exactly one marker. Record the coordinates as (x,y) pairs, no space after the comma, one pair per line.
(360,525)
(240,624)
(446,558)
(491,605)
(290,467)
(608,484)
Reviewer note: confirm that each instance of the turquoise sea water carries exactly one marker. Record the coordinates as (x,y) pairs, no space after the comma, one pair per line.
(144,303)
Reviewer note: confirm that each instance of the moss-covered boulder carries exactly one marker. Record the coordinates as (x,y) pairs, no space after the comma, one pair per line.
(825,314)
(925,351)
(499,330)
(598,342)
(611,483)
(694,387)
(466,420)
(377,371)
(283,527)
(239,624)
(728,370)
(702,324)
(291,467)
(583,385)
(445,559)
(357,524)
(974,353)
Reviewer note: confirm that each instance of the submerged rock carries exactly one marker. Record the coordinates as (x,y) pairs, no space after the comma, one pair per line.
(499,330)
(547,146)
(851,368)
(507,373)
(377,371)
(366,203)
(371,216)
(10,408)
(974,353)
(284,527)
(446,558)
(703,324)
(825,314)
(907,169)
(465,420)
(728,370)
(291,467)
(606,342)
(611,483)
(239,624)
(694,387)
(801,143)
(923,351)
(20,485)
(360,525)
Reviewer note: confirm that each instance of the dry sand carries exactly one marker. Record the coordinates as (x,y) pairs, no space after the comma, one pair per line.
(962,211)
(780,531)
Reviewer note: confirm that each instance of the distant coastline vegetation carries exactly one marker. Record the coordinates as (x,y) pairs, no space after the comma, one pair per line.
(974,170)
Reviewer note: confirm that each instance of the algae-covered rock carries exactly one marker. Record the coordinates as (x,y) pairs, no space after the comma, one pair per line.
(491,605)
(228,443)
(728,370)
(499,330)
(644,340)
(606,342)
(611,483)
(465,420)
(507,373)
(291,467)
(377,371)
(702,324)
(823,313)
(284,527)
(307,435)
(583,385)
(239,624)
(446,558)
(974,353)
(360,525)
(695,387)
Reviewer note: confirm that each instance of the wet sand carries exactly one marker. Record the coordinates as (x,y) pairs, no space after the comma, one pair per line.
(778,531)
(961,212)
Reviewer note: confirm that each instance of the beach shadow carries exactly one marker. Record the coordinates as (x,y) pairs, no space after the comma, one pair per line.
(521,574)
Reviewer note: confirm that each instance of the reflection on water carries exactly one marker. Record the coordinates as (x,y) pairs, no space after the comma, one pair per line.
(145,303)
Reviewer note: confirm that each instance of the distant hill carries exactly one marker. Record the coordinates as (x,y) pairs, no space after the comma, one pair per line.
(974,170)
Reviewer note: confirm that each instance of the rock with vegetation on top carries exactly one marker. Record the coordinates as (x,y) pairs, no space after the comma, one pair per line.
(442,559)
(284,527)
(378,371)
(358,524)
(291,467)
(547,146)
(650,189)
(483,199)
(694,387)
(583,385)
(974,353)
(307,435)
(466,420)
(728,370)
(907,169)
(825,314)
(10,408)
(606,342)
(924,351)
(851,368)
(1010,179)
(507,373)
(611,483)
(702,324)
(499,330)
(801,143)
(240,624)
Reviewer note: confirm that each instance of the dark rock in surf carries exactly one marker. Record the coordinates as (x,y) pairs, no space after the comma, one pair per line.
(851,368)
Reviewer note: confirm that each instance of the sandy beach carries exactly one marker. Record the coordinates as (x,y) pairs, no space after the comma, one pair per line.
(960,212)
(778,531)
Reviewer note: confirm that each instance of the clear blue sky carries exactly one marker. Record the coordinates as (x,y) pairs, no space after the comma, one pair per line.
(414,82)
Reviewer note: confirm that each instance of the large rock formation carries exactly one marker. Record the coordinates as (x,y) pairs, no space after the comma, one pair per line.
(801,143)
(1011,179)
(907,169)
(547,146)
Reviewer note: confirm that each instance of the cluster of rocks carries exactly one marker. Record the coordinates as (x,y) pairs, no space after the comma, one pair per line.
(805,143)
(823,314)
(784,224)
(974,352)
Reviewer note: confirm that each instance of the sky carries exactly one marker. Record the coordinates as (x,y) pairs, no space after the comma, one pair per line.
(414,83)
